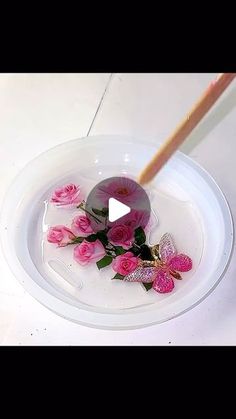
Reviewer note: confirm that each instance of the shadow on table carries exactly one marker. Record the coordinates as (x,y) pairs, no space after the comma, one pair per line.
(210,122)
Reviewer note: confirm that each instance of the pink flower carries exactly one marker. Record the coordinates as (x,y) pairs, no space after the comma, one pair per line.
(60,235)
(81,226)
(121,235)
(125,264)
(122,189)
(169,266)
(137,218)
(66,195)
(89,252)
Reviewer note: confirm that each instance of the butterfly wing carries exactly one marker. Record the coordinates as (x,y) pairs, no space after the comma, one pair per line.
(167,248)
(141,274)
(181,263)
(163,282)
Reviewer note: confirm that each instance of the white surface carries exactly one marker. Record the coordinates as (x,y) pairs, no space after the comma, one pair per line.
(117,209)
(40,111)
(199,208)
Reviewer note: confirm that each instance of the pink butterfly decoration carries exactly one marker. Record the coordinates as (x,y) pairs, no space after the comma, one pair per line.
(168,266)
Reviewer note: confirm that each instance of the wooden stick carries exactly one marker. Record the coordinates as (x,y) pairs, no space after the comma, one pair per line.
(199,110)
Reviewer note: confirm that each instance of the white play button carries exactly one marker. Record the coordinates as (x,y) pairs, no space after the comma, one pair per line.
(116,209)
(117,200)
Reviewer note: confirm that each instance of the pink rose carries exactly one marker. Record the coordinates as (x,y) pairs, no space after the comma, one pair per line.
(60,235)
(89,252)
(137,218)
(123,189)
(121,235)
(125,264)
(81,226)
(66,195)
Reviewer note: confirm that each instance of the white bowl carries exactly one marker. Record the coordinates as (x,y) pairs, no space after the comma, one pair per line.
(100,157)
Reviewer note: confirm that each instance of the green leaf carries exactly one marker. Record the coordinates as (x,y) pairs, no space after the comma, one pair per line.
(77,240)
(134,250)
(105,261)
(81,205)
(101,235)
(119,250)
(148,285)
(102,213)
(105,211)
(97,211)
(145,253)
(91,238)
(140,236)
(118,276)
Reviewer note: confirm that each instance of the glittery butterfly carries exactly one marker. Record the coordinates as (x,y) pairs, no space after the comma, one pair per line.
(167,264)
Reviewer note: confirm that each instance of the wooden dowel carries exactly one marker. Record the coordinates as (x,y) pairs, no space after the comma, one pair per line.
(199,110)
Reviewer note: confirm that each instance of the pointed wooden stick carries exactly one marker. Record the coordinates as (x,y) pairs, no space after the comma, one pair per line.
(199,110)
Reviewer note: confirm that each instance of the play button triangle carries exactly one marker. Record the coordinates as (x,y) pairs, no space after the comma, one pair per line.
(116,209)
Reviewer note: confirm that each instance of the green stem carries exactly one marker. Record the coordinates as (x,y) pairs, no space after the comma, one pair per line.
(86,211)
(75,240)
(106,219)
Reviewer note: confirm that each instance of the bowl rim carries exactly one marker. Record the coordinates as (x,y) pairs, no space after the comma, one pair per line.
(100,321)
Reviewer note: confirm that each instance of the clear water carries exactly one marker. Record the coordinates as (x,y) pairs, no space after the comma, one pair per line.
(95,288)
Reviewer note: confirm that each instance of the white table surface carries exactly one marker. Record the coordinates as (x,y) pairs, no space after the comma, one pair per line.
(39,111)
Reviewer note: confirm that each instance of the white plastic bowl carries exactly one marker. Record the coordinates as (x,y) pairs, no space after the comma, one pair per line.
(107,156)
